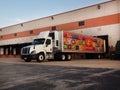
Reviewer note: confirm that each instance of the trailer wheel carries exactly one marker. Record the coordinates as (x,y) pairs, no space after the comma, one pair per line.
(69,57)
(63,57)
(41,57)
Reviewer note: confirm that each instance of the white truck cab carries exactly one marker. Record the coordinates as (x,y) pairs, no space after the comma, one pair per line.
(42,48)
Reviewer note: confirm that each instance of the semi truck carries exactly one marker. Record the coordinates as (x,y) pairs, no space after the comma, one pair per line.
(61,45)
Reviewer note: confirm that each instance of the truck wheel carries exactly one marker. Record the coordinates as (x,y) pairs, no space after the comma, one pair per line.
(63,57)
(69,57)
(41,58)
(27,60)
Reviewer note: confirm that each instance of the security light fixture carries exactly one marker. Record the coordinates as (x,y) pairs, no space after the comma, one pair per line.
(52,17)
(98,6)
(21,24)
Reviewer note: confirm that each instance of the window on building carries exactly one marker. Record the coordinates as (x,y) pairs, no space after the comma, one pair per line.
(81,23)
(15,34)
(31,32)
(53,27)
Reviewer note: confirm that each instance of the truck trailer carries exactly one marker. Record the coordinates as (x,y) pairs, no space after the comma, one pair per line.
(61,45)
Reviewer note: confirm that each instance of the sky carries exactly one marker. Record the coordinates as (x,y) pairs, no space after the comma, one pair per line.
(17,11)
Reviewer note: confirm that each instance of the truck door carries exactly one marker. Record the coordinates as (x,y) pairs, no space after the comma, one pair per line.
(49,47)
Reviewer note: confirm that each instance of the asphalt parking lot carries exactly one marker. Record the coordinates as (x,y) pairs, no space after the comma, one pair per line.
(15,74)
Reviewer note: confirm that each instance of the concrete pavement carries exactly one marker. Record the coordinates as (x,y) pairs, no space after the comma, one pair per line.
(91,63)
(16,74)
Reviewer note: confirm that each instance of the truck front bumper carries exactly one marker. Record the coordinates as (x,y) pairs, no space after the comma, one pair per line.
(32,56)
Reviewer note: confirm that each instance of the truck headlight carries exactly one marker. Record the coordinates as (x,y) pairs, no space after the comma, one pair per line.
(33,52)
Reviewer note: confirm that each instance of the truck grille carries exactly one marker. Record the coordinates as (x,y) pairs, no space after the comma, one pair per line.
(25,50)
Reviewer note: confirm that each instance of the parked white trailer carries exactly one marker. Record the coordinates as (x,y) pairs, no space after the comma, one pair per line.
(61,45)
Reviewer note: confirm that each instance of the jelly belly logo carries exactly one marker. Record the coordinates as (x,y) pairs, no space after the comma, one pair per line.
(79,42)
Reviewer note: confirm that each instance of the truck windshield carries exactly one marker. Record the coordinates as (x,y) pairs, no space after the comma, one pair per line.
(38,41)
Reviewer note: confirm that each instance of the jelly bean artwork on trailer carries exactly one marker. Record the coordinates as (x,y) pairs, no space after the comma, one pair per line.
(73,42)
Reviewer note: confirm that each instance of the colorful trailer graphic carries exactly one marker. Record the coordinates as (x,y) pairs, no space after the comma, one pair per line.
(80,43)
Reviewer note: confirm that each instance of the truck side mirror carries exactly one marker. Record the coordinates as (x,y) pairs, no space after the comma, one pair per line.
(48,42)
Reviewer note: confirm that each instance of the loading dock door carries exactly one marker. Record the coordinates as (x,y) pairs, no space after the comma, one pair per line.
(1,51)
(105,37)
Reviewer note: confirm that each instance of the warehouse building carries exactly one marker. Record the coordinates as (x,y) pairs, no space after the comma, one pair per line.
(100,20)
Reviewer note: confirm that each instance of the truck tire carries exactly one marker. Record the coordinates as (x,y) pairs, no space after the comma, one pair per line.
(27,60)
(63,57)
(69,57)
(41,57)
